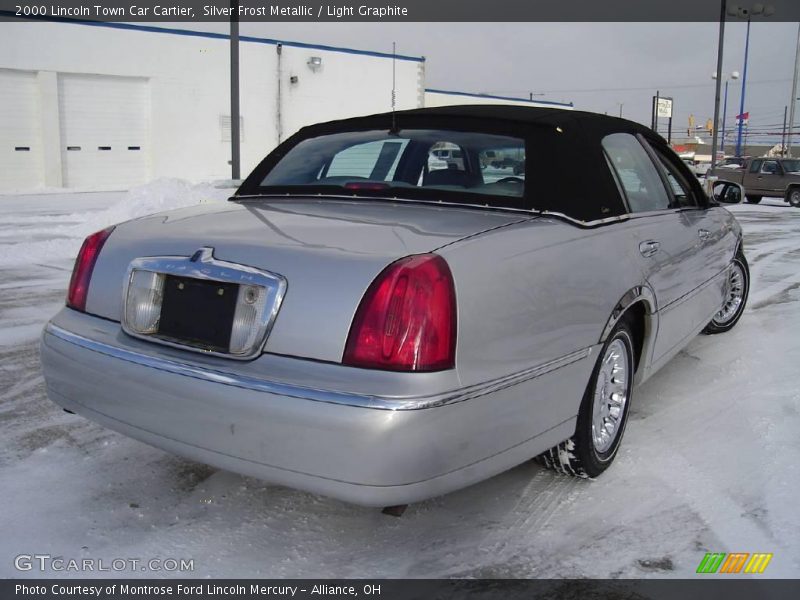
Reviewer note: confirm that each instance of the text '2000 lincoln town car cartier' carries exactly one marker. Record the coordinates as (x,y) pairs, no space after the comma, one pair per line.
(396,306)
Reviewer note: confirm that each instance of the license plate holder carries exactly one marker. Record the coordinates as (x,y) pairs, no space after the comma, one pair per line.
(198,312)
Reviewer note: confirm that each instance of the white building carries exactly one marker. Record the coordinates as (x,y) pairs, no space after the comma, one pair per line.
(110,105)
(448,98)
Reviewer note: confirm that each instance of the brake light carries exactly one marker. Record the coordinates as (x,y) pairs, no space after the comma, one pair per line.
(372,186)
(407,318)
(82,271)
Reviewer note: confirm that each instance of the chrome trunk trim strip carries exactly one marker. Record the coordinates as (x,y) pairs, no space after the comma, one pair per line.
(203,265)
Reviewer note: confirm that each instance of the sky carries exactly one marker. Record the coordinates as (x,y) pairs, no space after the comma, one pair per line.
(597,66)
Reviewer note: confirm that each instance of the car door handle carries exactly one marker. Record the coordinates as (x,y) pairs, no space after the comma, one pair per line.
(703,234)
(649,247)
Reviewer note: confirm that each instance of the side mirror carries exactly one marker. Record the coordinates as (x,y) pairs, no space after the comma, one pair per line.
(726,192)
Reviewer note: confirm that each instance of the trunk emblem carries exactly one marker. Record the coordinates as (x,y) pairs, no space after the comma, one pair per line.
(204,254)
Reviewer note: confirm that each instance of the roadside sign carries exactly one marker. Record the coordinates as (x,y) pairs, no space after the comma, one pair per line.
(664,108)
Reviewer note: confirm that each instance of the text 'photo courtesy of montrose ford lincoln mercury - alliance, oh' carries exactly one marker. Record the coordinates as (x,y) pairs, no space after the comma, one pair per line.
(369,321)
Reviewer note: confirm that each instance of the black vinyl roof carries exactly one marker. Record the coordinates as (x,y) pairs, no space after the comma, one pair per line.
(568,171)
(534,115)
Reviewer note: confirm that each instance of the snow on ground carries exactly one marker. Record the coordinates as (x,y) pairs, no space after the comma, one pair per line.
(709,462)
(39,228)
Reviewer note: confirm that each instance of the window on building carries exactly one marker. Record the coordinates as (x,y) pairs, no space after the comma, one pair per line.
(225,128)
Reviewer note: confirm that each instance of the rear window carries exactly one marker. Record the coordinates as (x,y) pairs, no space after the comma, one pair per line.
(474,165)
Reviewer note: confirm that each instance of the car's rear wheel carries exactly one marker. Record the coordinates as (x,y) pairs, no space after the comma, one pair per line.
(603,412)
(738,288)
(752,199)
(793,196)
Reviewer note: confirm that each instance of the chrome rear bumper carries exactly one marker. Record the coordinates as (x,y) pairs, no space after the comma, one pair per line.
(362,447)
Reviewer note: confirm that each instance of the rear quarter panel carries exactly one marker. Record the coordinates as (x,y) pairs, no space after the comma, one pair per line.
(533,292)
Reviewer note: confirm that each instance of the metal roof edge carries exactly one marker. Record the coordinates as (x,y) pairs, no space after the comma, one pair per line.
(492,97)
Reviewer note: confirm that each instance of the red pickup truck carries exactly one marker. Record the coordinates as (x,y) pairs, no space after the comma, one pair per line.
(772,177)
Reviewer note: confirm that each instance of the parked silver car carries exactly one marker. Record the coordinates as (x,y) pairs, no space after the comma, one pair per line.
(356,324)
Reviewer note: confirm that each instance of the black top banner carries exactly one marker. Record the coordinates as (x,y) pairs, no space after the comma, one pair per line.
(402,10)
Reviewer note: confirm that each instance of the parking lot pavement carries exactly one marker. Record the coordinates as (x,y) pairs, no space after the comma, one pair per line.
(709,462)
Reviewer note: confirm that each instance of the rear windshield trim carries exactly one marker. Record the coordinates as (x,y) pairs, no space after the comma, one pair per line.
(318,196)
(428,195)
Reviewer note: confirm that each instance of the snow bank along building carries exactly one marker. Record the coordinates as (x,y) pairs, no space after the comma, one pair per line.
(111,105)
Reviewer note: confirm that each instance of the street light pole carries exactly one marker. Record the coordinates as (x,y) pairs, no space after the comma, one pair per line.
(235,133)
(794,94)
(724,117)
(744,86)
(717,125)
(741,13)
(715,135)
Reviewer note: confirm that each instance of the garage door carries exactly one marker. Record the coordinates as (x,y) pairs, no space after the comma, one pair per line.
(104,130)
(20,135)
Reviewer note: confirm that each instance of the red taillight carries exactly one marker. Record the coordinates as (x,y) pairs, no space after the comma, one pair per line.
(407,319)
(82,271)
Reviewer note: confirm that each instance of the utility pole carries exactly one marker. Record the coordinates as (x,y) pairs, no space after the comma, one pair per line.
(715,136)
(669,130)
(794,95)
(235,133)
(783,132)
(654,126)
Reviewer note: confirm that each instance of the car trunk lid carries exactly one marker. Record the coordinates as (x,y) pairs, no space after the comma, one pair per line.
(328,250)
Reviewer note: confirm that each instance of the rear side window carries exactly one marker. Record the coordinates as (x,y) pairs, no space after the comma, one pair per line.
(755,166)
(770,167)
(636,173)
(680,188)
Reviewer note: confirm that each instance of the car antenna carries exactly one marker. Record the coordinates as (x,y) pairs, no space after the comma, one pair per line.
(394,129)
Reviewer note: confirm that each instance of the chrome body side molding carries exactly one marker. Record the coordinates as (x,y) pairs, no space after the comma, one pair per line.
(309,393)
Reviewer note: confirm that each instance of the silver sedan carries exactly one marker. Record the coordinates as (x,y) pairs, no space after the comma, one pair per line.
(368,322)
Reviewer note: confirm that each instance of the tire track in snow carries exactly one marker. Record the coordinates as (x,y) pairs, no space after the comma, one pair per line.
(766,254)
(761,297)
(21,387)
(546,495)
(714,506)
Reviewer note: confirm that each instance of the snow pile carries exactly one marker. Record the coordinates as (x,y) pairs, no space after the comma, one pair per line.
(58,238)
(154,197)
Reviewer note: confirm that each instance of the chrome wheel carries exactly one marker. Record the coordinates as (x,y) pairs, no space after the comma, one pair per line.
(610,396)
(794,198)
(604,407)
(734,297)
